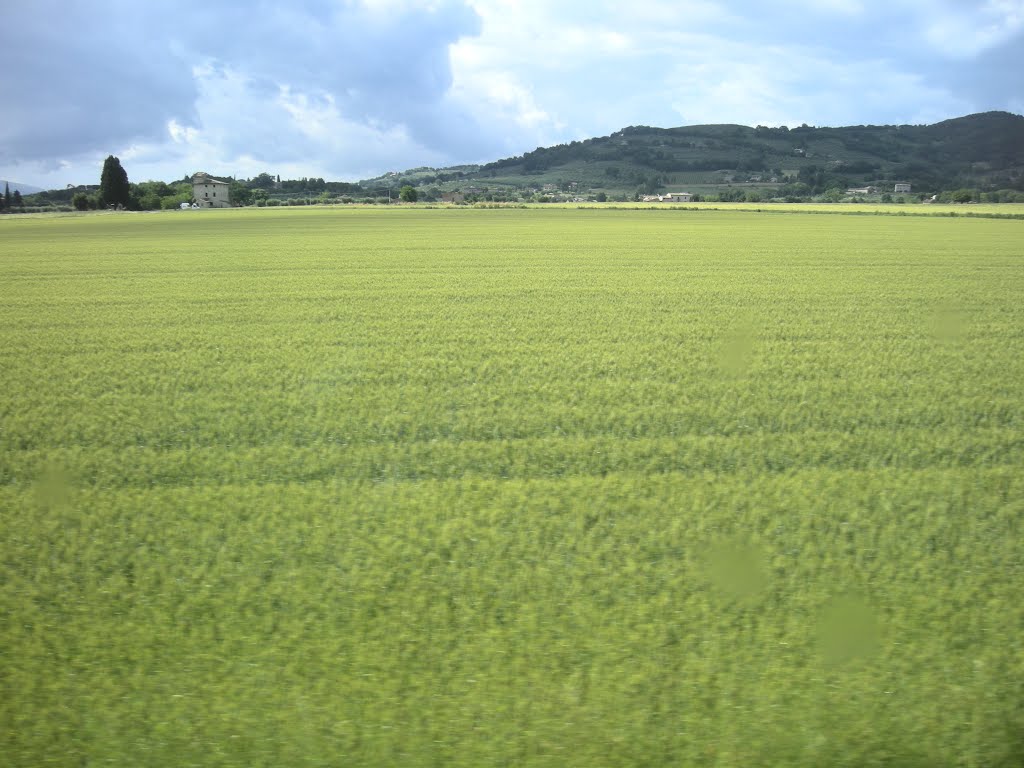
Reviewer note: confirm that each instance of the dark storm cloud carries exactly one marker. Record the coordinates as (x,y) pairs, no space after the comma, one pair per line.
(373,60)
(85,77)
(992,80)
(95,76)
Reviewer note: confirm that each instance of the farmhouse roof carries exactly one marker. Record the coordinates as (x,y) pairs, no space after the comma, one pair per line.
(204,178)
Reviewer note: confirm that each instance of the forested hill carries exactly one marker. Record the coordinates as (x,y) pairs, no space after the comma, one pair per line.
(982,153)
(983,150)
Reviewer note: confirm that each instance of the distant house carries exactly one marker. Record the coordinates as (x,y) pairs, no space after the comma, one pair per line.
(668,197)
(452,197)
(901,186)
(210,192)
(860,191)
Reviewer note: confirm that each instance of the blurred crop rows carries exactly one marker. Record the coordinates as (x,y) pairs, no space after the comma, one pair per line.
(511,487)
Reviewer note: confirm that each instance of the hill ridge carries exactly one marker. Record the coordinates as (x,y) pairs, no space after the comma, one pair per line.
(984,150)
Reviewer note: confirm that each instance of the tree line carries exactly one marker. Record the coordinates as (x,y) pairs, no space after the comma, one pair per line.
(115,190)
(11,200)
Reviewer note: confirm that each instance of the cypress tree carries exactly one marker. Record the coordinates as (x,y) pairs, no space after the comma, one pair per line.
(114,187)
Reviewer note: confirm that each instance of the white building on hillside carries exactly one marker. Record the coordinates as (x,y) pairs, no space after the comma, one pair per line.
(668,197)
(210,192)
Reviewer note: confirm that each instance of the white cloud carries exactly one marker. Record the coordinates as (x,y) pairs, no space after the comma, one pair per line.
(801,86)
(181,134)
(842,7)
(962,31)
(244,130)
(491,94)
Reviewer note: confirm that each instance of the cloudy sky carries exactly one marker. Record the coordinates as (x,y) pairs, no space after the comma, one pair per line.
(348,89)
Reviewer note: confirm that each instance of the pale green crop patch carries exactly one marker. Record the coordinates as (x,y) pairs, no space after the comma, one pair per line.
(511,487)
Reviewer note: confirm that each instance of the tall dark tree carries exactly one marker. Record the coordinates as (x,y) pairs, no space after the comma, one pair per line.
(16,200)
(114,187)
(7,195)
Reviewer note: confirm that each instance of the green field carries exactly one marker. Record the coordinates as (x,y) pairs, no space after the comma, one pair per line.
(545,487)
(970,210)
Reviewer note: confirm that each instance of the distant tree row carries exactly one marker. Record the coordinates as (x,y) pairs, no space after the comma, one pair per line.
(11,200)
(116,191)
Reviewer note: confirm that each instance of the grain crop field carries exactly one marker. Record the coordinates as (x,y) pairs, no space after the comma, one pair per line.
(456,487)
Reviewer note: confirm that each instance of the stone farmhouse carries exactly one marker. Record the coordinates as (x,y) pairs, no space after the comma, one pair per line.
(901,186)
(210,192)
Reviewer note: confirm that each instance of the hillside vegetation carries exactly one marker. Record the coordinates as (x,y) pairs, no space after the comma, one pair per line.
(977,153)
